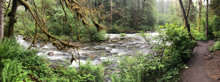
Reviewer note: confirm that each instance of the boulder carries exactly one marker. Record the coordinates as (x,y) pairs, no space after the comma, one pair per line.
(50,54)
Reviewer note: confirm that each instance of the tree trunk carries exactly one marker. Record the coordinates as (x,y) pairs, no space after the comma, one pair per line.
(211,13)
(187,12)
(1,18)
(124,3)
(12,15)
(188,8)
(95,4)
(177,9)
(200,11)
(207,14)
(185,18)
(111,13)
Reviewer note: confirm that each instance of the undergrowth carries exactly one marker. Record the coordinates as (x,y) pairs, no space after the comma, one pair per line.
(163,66)
(215,47)
(20,65)
(171,48)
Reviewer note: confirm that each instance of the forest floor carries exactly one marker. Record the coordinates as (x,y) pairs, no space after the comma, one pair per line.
(204,66)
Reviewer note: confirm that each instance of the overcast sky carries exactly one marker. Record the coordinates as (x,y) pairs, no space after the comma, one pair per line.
(204,1)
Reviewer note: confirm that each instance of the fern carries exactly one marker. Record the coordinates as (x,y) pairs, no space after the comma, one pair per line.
(215,47)
(12,72)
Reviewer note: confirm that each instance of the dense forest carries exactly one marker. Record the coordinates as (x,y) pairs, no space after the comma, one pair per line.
(109,40)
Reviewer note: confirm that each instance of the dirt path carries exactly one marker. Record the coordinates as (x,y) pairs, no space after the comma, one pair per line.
(199,70)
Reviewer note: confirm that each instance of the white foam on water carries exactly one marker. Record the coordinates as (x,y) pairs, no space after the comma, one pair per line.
(76,64)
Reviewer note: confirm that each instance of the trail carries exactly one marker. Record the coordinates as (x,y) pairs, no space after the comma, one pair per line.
(198,65)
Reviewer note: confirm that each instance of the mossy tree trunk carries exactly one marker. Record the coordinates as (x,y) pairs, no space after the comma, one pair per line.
(207,18)
(185,18)
(111,13)
(200,12)
(12,15)
(1,18)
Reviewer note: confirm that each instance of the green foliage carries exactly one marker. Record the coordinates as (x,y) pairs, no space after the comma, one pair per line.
(123,35)
(215,47)
(9,47)
(87,72)
(162,19)
(138,68)
(107,62)
(215,6)
(198,35)
(116,29)
(26,66)
(13,72)
(99,36)
(146,68)
(181,43)
(215,24)
(91,34)
(165,66)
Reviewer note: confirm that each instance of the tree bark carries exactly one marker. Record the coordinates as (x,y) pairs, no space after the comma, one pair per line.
(111,13)
(185,18)
(207,19)
(188,8)
(12,15)
(124,3)
(1,18)
(200,11)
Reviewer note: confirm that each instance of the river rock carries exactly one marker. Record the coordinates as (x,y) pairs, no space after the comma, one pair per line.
(112,66)
(114,40)
(83,57)
(99,48)
(86,48)
(50,54)
(120,42)
(96,62)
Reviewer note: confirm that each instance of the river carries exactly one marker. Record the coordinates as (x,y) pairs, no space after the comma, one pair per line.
(114,47)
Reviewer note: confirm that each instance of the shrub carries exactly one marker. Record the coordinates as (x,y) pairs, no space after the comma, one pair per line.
(99,36)
(215,47)
(145,67)
(162,67)
(26,66)
(181,42)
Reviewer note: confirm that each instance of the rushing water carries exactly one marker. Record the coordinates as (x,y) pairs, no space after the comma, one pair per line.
(97,52)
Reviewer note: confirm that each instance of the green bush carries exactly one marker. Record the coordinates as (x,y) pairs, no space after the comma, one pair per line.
(86,73)
(165,66)
(27,65)
(9,49)
(99,36)
(215,26)
(181,42)
(215,47)
(146,68)
(198,35)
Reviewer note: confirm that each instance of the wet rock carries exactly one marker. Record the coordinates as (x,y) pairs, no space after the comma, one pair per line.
(114,51)
(83,57)
(112,66)
(86,48)
(50,54)
(114,40)
(96,62)
(99,48)
(120,42)
(94,57)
